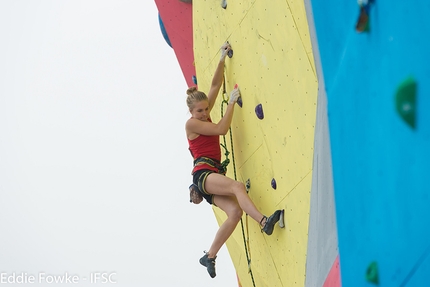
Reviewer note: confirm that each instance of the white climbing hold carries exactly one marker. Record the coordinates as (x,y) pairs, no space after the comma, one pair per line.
(281,219)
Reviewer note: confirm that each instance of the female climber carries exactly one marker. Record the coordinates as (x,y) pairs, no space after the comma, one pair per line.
(208,174)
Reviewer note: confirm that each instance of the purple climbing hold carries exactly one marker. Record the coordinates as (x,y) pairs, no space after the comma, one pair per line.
(259,111)
(239,101)
(273,183)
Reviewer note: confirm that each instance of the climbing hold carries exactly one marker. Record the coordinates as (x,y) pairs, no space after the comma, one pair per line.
(163,31)
(194,79)
(363,17)
(273,183)
(239,101)
(230,52)
(406,100)
(186,1)
(363,20)
(224,4)
(365,2)
(281,219)
(259,111)
(372,273)
(248,185)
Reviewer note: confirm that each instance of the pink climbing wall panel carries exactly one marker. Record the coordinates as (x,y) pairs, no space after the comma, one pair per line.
(333,277)
(178,22)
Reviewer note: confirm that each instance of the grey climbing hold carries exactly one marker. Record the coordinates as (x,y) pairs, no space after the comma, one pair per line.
(224,4)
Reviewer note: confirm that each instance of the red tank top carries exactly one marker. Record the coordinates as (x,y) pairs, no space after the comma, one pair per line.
(206,146)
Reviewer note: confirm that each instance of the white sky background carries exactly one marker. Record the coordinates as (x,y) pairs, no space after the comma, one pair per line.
(94,165)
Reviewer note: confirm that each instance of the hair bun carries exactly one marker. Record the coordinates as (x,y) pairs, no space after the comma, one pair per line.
(191,90)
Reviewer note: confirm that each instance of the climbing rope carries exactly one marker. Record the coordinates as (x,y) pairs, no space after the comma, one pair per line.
(224,164)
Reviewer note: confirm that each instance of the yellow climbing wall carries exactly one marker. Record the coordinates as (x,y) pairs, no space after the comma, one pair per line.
(273,65)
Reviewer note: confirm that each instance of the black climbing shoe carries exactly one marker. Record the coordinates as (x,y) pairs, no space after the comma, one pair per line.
(209,263)
(270,222)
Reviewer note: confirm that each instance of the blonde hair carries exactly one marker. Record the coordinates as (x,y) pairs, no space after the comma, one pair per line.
(195,96)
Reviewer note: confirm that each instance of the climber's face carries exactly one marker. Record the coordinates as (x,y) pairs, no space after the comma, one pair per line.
(201,110)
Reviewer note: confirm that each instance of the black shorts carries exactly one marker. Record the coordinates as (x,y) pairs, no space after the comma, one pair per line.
(199,179)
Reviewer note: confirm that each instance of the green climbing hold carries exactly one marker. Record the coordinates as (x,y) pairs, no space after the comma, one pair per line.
(406,100)
(372,273)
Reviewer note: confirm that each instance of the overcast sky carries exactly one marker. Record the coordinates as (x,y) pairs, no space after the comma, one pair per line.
(94,165)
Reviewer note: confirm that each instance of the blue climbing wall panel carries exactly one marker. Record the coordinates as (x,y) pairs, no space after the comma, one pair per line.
(380,159)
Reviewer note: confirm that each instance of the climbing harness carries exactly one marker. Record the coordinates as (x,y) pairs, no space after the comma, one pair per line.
(222,167)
